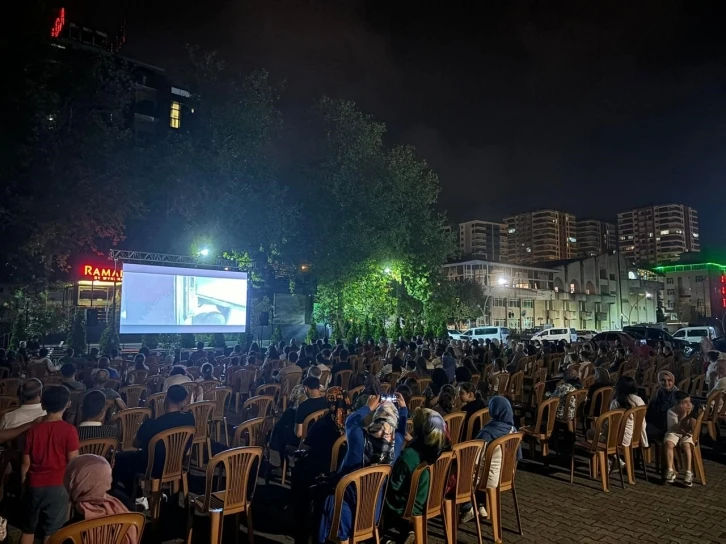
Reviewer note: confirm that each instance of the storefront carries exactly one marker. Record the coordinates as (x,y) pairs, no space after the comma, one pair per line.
(96,286)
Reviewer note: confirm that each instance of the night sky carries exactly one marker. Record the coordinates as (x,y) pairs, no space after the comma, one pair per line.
(592,107)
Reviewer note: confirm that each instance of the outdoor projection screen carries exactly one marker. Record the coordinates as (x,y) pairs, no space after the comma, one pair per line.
(160,299)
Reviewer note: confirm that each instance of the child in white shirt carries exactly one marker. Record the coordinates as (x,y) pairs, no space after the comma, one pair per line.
(679,433)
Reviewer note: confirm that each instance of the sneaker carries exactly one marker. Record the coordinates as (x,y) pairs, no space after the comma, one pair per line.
(411,538)
(483,512)
(688,479)
(670,476)
(143,501)
(468,515)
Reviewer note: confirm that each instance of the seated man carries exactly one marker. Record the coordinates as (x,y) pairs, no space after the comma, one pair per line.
(31,409)
(105,364)
(177,376)
(43,360)
(99,384)
(68,373)
(93,414)
(128,464)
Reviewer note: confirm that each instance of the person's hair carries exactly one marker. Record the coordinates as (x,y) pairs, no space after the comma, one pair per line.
(200,346)
(177,371)
(311,382)
(624,387)
(254,346)
(251,359)
(68,370)
(292,357)
(70,352)
(31,389)
(176,394)
(320,359)
(439,378)
(92,404)
(421,366)
(405,391)
(272,353)
(602,375)
(447,397)
(343,355)
(620,352)
(55,399)
(499,364)
(140,358)
(309,351)
(679,396)
(468,387)
(94,352)
(144,351)
(43,352)
(412,384)
(462,374)
(103,362)
(101,377)
(315,372)
(327,353)
(468,363)
(713,355)
(207,368)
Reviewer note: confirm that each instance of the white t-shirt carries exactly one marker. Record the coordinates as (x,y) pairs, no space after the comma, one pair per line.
(176,379)
(21,416)
(635,400)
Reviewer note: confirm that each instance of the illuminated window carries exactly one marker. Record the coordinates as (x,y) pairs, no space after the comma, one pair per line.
(664,232)
(175,115)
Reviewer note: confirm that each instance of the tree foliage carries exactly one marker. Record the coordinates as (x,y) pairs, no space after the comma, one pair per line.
(77,333)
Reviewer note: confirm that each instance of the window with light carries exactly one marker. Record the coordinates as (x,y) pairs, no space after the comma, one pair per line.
(175,115)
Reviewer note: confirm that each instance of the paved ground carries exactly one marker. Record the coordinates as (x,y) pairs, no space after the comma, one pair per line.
(555,511)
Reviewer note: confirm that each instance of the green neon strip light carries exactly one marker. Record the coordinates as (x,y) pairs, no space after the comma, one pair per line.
(688,267)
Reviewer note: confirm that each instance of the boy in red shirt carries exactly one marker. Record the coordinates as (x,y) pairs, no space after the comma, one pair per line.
(49,446)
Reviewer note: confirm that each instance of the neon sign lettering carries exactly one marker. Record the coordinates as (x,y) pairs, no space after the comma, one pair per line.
(99,273)
(60,22)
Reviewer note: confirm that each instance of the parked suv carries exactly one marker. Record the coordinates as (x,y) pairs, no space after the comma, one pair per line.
(694,335)
(556,334)
(653,335)
(484,333)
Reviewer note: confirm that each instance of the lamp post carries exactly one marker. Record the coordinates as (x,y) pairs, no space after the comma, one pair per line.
(637,301)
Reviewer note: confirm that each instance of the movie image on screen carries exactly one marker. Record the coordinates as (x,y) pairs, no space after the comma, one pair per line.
(160,299)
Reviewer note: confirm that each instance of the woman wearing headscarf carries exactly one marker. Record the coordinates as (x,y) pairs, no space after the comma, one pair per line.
(375,434)
(660,403)
(283,434)
(87,480)
(430,440)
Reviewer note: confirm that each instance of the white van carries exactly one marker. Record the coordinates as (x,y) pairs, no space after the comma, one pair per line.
(483,333)
(555,335)
(694,335)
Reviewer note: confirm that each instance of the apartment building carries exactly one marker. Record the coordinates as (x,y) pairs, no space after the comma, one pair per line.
(595,237)
(544,235)
(658,234)
(484,240)
(694,292)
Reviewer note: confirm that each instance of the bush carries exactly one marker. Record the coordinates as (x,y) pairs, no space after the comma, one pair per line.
(394,331)
(150,341)
(188,341)
(77,333)
(312,335)
(408,329)
(109,339)
(218,340)
(18,333)
(171,342)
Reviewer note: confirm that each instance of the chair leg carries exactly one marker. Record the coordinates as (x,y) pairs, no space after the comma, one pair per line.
(516,510)
(226,431)
(450,521)
(620,470)
(642,460)
(604,473)
(476,515)
(419,529)
(572,468)
(236,528)
(185,485)
(630,465)
(284,467)
(698,464)
(215,526)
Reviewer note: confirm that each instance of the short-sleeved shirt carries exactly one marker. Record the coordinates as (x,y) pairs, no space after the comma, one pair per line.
(110,393)
(48,445)
(308,407)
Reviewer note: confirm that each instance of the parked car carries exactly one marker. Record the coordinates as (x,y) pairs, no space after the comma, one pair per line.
(694,335)
(653,335)
(585,335)
(484,333)
(635,342)
(556,334)
(455,334)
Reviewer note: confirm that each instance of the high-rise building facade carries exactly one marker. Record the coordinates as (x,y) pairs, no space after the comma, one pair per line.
(595,237)
(544,235)
(484,240)
(658,234)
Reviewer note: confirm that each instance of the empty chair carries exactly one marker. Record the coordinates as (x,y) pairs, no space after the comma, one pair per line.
(132,395)
(455,423)
(202,412)
(111,529)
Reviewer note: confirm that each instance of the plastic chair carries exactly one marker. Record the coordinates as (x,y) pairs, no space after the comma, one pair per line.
(476,421)
(176,443)
(11,386)
(500,382)
(342,379)
(7,401)
(514,387)
(418,521)
(697,459)
(455,423)
(202,412)
(241,468)
(192,389)
(637,415)
(369,485)
(258,406)
(508,446)
(156,403)
(252,432)
(715,410)
(270,389)
(541,432)
(306,424)
(104,530)
(336,454)
(355,392)
(129,422)
(599,403)
(423,383)
(220,396)
(697,382)
(468,457)
(438,480)
(599,451)
(242,382)
(103,447)
(574,398)
(415,402)
(137,376)
(133,394)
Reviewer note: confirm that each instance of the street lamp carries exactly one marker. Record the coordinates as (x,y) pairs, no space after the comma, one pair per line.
(204,252)
(503,281)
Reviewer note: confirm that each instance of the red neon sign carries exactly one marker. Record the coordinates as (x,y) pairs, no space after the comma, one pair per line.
(99,273)
(60,21)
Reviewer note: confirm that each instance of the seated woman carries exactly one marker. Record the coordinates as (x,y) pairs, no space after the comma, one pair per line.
(88,480)
(439,379)
(569,384)
(430,432)
(207,373)
(662,400)
(602,379)
(377,442)
(471,402)
(446,399)
(497,368)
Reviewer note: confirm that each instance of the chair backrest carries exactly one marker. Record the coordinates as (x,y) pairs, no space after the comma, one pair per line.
(423,382)
(548,408)
(325,377)
(476,421)
(515,385)
(272,389)
(132,394)
(104,447)
(500,382)
(440,471)
(342,378)
(243,379)
(715,405)
(395,376)
(611,419)
(241,467)
(369,484)
(259,406)
(253,432)
(455,423)
(220,396)
(600,401)
(202,412)
(10,386)
(312,418)
(129,422)
(353,393)
(537,394)
(508,445)
(415,402)
(579,396)
(154,384)
(697,385)
(468,457)
(413,492)
(697,427)
(208,385)
(137,376)
(9,401)
(156,403)
(104,530)
(176,443)
(540,376)
(191,388)
(637,416)
(336,455)
(587,381)
(289,381)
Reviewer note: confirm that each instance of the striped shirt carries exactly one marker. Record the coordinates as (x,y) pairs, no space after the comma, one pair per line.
(94,432)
